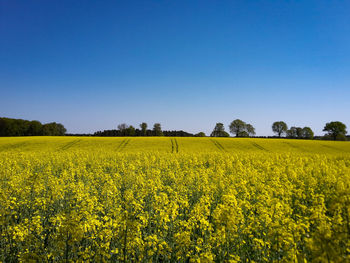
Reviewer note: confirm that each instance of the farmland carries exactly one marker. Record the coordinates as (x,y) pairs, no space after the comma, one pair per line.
(174,200)
(115,145)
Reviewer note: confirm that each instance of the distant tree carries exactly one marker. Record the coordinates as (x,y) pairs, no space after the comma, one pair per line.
(130,131)
(143,127)
(180,133)
(279,127)
(7,127)
(60,130)
(157,129)
(123,129)
(19,127)
(35,128)
(299,131)
(292,132)
(237,127)
(250,130)
(47,130)
(335,129)
(53,129)
(3,126)
(200,134)
(241,129)
(225,134)
(218,131)
(122,126)
(243,134)
(307,133)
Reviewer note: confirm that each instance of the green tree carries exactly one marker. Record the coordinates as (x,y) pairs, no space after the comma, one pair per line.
(300,132)
(279,127)
(307,133)
(143,127)
(241,129)
(225,134)
(157,129)
(218,131)
(200,134)
(237,127)
(123,128)
(60,129)
(19,127)
(335,129)
(243,134)
(130,131)
(250,130)
(35,128)
(292,132)
(53,129)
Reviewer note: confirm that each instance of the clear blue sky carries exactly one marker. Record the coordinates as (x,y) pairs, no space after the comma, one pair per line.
(186,64)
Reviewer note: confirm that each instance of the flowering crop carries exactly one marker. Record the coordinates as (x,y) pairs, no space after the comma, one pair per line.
(94,199)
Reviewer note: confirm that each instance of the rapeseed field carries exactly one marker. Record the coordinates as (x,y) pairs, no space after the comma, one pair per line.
(71,199)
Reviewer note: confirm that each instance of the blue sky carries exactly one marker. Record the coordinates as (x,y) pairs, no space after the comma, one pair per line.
(186,64)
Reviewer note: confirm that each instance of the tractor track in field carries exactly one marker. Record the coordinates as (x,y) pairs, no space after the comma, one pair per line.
(218,145)
(258,146)
(334,148)
(69,145)
(174,146)
(292,145)
(297,147)
(12,146)
(122,145)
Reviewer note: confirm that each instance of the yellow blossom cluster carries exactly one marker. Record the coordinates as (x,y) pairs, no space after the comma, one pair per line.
(88,206)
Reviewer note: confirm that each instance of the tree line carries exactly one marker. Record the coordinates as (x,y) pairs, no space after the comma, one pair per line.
(19,127)
(237,127)
(129,130)
(335,130)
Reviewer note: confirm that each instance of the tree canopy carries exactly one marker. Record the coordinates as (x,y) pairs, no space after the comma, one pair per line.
(335,129)
(143,127)
(300,133)
(241,129)
(157,129)
(279,127)
(19,127)
(219,131)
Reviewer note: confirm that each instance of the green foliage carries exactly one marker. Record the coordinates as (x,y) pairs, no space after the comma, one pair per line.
(143,127)
(279,127)
(157,129)
(243,134)
(241,129)
(307,133)
(250,130)
(53,129)
(219,130)
(200,134)
(335,129)
(292,133)
(300,133)
(131,131)
(224,134)
(237,127)
(19,127)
